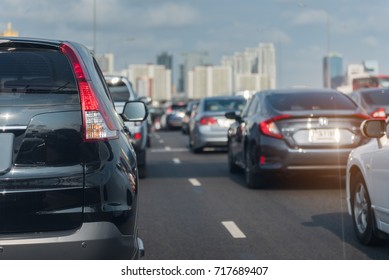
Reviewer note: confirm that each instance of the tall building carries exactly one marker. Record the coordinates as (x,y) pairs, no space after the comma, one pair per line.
(333,70)
(151,80)
(106,63)
(166,60)
(267,65)
(190,60)
(254,69)
(206,81)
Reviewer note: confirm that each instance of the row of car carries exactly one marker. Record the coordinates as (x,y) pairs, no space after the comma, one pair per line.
(306,131)
(69,175)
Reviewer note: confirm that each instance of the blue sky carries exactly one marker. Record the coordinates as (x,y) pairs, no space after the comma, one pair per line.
(137,30)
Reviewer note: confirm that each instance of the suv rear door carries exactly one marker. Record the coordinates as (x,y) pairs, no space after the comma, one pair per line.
(42,178)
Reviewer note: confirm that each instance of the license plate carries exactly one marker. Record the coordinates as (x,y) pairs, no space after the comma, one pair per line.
(323,136)
(224,123)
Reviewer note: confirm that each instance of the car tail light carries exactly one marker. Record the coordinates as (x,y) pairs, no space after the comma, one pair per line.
(96,123)
(269,127)
(379,113)
(137,136)
(207,121)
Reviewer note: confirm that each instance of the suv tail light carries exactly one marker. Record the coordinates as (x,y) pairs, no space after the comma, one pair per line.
(207,121)
(379,113)
(269,127)
(96,123)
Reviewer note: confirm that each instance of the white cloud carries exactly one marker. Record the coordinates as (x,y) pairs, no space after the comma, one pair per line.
(171,14)
(310,16)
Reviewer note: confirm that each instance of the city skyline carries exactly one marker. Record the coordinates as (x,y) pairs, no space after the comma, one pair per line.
(303,31)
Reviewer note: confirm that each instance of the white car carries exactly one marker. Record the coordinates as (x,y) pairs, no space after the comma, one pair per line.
(367,184)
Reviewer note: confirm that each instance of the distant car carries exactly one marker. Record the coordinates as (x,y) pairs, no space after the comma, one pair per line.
(122,91)
(68,174)
(367,180)
(189,111)
(208,127)
(173,115)
(292,131)
(375,101)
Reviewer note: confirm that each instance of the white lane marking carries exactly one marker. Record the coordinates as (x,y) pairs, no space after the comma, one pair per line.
(233,229)
(194,182)
(167,148)
(176,160)
(161,141)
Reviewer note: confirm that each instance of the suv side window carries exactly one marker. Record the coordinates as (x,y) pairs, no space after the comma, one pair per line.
(253,106)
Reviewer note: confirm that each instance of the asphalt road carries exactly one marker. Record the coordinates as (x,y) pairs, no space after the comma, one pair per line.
(192,208)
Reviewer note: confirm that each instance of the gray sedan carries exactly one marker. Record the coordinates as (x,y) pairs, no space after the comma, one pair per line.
(209,126)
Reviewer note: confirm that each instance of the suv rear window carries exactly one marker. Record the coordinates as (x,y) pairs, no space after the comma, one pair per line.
(310,101)
(36,77)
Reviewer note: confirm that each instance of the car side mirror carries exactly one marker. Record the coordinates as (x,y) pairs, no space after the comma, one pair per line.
(373,128)
(135,111)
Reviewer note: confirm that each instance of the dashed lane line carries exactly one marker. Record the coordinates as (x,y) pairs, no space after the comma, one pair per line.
(194,182)
(233,229)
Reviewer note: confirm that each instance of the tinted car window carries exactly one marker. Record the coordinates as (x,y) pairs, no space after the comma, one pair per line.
(309,101)
(119,91)
(377,97)
(26,74)
(219,105)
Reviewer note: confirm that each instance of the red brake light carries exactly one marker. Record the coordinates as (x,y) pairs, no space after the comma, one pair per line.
(207,121)
(97,125)
(137,135)
(379,113)
(269,127)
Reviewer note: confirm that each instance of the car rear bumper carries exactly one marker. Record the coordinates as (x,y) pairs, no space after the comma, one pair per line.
(301,160)
(100,240)
(207,138)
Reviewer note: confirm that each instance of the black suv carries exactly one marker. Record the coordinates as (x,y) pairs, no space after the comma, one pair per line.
(68,173)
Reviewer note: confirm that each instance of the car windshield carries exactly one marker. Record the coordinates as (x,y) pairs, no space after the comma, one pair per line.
(222,105)
(308,101)
(376,98)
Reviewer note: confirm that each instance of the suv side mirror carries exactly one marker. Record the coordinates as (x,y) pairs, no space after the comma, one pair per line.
(233,116)
(135,111)
(373,128)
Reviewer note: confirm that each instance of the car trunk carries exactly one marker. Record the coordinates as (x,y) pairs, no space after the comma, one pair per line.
(41,172)
(322,129)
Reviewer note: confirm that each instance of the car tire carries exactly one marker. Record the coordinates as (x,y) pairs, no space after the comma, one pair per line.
(252,179)
(362,215)
(232,167)
(192,146)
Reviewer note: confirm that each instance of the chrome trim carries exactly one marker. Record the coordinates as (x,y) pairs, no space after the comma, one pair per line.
(13,127)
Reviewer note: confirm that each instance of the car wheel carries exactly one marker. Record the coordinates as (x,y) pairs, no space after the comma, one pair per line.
(362,214)
(252,179)
(192,146)
(233,168)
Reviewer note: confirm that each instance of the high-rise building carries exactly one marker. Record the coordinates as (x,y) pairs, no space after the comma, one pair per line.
(151,80)
(333,70)
(190,60)
(267,65)
(206,81)
(254,69)
(166,60)
(106,63)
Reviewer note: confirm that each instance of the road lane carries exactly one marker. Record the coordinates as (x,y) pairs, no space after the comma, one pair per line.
(299,218)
